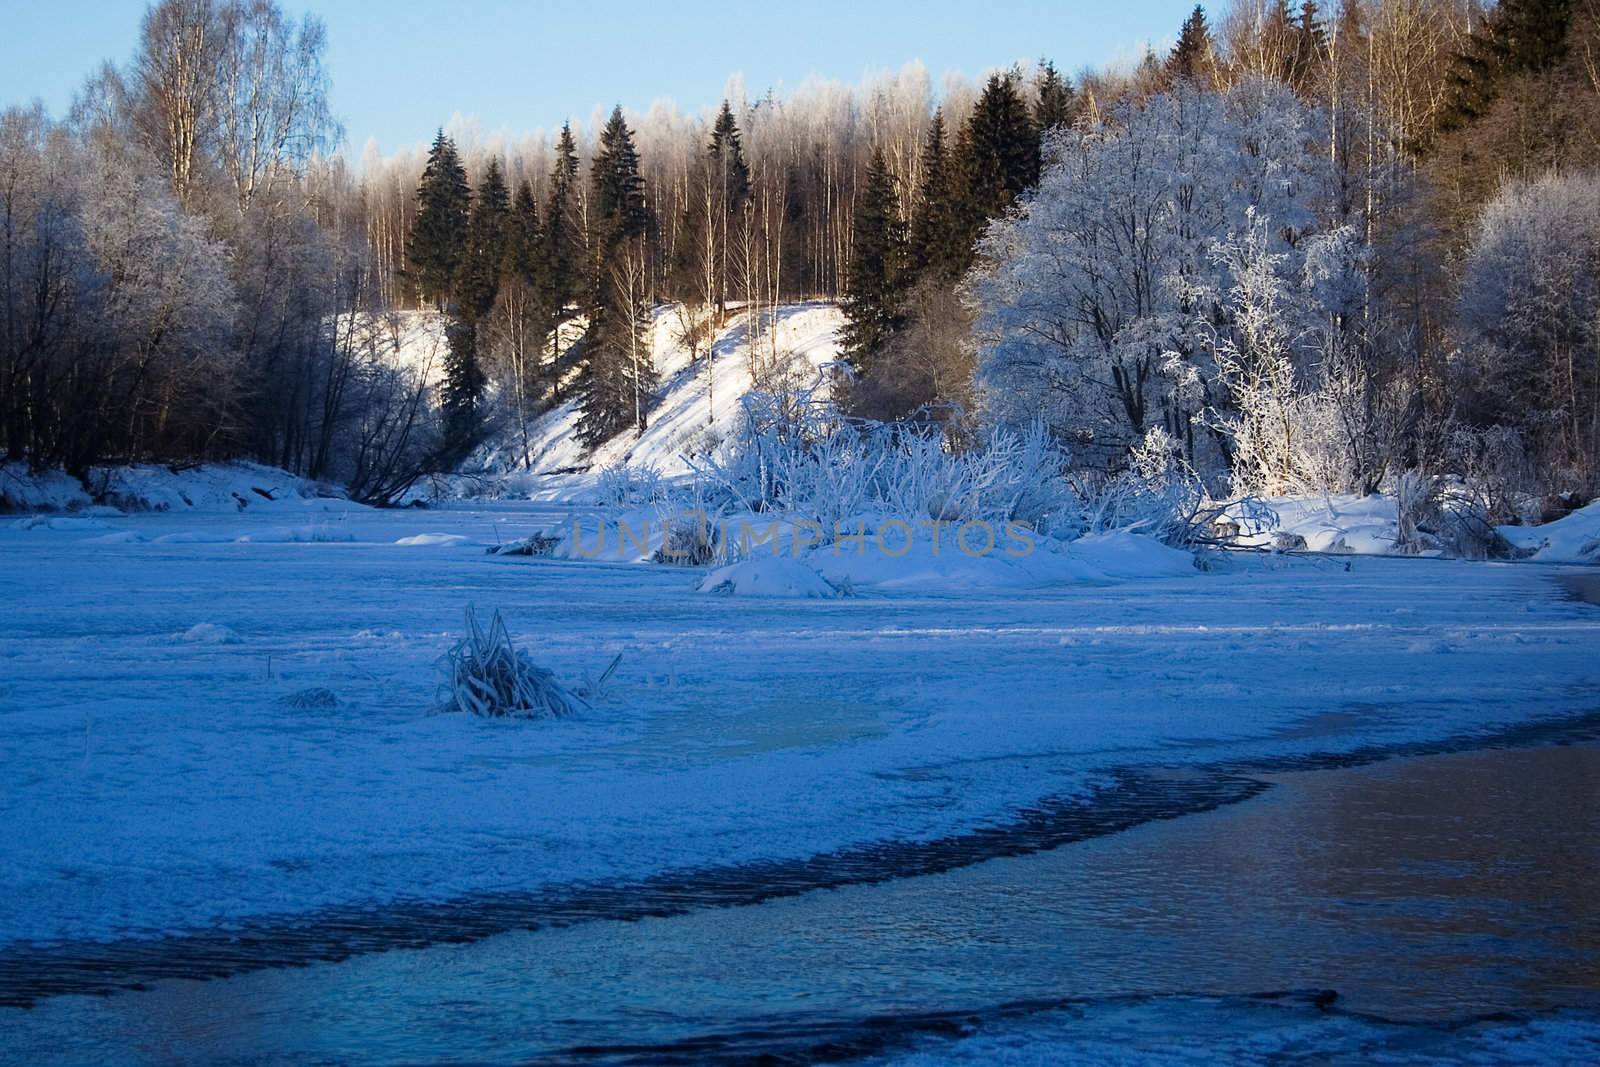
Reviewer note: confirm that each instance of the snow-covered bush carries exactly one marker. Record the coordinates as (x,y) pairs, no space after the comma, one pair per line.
(620,485)
(1496,464)
(1160,495)
(819,467)
(486,675)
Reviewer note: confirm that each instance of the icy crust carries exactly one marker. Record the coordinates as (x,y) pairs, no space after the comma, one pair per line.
(244,728)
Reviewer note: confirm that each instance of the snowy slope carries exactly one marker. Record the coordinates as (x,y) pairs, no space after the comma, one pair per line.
(698,404)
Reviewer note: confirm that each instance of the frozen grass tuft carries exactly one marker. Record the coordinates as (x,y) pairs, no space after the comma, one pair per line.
(486,675)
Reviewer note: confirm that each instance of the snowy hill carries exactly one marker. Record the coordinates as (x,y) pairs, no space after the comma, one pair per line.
(698,403)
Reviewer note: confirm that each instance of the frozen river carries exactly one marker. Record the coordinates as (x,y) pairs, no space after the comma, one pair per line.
(184,797)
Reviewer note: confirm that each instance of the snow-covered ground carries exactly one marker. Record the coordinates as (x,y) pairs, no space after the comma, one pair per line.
(212,715)
(1367,525)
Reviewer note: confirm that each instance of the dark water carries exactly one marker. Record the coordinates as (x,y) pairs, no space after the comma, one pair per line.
(1428,891)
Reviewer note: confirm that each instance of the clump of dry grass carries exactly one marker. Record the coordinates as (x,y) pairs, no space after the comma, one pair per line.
(487,675)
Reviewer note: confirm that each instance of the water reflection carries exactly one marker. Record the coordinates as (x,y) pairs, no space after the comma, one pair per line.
(1426,889)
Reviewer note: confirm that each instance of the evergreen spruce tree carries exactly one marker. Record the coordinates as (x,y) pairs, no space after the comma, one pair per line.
(484,251)
(1519,36)
(562,240)
(617,377)
(1191,57)
(731,185)
(1054,106)
(936,247)
(524,245)
(477,282)
(560,270)
(1004,149)
(433,250)
(461,393)
(1310,48)
(874,292)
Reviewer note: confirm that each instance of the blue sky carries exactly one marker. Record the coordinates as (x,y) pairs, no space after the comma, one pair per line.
(402,67)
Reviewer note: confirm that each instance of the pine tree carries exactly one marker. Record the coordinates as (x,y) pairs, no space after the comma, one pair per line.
(730,178)
(1054,106)
(477,281)
(936,247)
(524,245)
(1004,149)
(874,293)
(1191,57)
(484,251)
(617,377)
(433,250)
(562,241)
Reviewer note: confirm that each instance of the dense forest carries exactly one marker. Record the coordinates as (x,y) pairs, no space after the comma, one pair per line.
(1300,251)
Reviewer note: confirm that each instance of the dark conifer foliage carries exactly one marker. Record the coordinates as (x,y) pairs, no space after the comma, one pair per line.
(524,243)
(1055,105)
(443,201)
(727,155)
(1004,146)
(617,378)
(484,250)
(874,296)
(482,259)
(937,250)
(562,235)
(1191,57)
(462,393)
(731,191)
(1519,36)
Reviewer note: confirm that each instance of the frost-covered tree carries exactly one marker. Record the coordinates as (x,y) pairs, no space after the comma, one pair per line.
(1097,302)
(1195,264)
(1530,320)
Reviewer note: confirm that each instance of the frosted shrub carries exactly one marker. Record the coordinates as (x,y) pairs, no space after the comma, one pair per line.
(1416,500)
(817,466)
(486,675)
(624,486)
(1495,463)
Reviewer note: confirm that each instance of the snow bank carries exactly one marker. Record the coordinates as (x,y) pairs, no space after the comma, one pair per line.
(210,633)
(1130,555)
(435,540)
(963,559)
(1574,538)
(21,490)
(767,577)
(209,487)
(1344,523)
